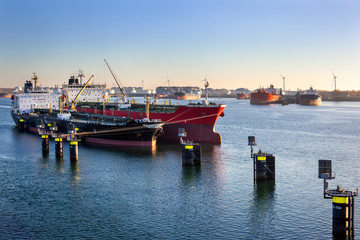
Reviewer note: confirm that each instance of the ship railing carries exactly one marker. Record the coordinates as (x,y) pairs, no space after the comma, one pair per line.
(144,120)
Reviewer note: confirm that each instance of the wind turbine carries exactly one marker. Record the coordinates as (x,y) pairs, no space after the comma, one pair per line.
(334,81)
(168,80)
(283,78)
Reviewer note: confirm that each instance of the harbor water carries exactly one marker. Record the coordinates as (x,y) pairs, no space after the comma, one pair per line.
(141,193)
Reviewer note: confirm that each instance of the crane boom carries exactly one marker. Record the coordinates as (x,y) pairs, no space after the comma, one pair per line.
(117,82)
(73,103)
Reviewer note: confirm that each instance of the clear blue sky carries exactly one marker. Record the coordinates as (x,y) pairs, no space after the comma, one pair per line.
(233,43)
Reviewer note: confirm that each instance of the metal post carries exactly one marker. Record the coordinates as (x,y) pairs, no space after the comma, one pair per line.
(45,144)
(325,187)
(254,162)
(59,147)
(74,150)
(21,125)
(352,216)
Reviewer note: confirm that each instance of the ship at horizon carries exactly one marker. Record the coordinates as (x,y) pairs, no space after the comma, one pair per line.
(179,93)
(309,97)
(266,96)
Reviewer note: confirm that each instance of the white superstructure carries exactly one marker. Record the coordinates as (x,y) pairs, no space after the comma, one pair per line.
(26,102)
(92,92)
(29,100)
(33,98)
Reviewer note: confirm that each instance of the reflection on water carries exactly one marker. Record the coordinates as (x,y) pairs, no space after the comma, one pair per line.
(137,193)
(261,215)
(126,150)
(75,172)
(190,177)
(43,161)
(59,165)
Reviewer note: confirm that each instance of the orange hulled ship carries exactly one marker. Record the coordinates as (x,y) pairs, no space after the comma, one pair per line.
(265,96)
(241,96)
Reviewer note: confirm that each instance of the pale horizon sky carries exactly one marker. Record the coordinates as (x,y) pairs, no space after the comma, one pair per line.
(233,43)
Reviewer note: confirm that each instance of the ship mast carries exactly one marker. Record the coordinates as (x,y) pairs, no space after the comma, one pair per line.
(206,84)
(35,79)
(81,75)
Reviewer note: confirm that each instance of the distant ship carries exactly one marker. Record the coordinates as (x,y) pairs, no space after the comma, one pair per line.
(6,92)
(310,97)
(265,96)
(242,93)
(5,95)
(188,95)
(179,93)
(241,96)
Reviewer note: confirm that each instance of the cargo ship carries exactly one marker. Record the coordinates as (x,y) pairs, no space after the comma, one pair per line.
(241,96)
(5,95)
(265,96)
(186,96)
(198,120)
(310,98)
(32,106)
(5,92)
(179,93)
(94,129)
(188,93)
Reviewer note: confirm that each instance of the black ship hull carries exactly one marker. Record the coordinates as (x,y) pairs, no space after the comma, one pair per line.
(129,133)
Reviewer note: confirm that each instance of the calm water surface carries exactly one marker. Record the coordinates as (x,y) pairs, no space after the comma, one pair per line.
(145,194)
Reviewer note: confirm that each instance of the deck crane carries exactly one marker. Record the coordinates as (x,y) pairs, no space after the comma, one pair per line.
(117,82)
(35,79)
(73,103)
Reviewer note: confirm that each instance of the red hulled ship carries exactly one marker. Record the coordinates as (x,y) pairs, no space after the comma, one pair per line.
(265,96)
(198,120)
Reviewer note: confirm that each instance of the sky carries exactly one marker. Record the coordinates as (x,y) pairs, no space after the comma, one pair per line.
(231,43)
